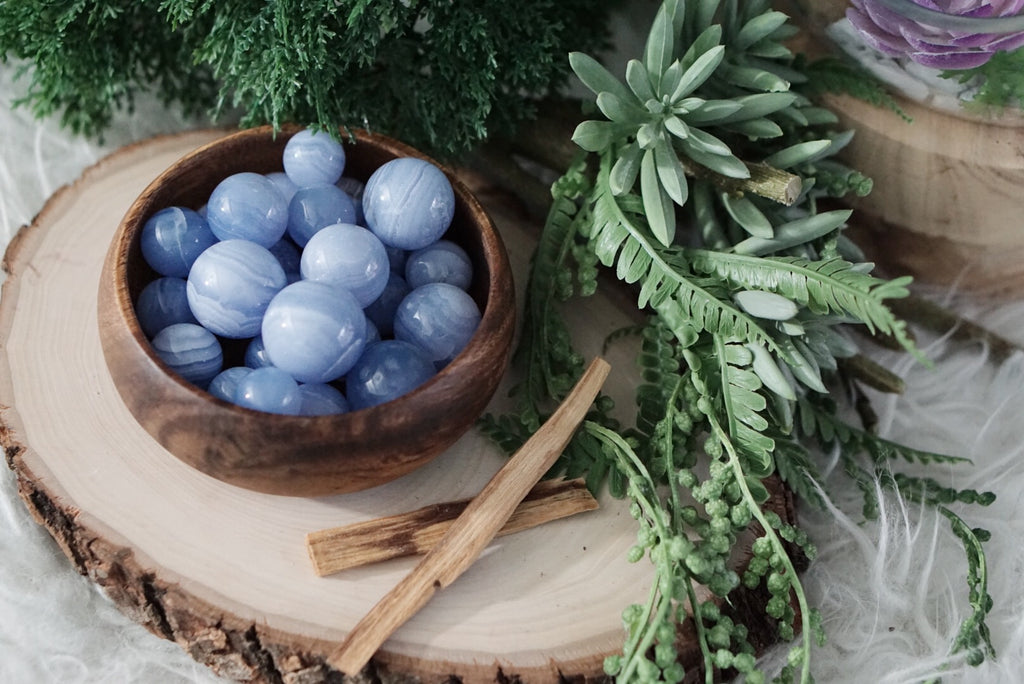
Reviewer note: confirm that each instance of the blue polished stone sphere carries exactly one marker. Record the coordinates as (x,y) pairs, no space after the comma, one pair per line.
(230,286)
(354,188)
(289,256)
(312,158)
(284,184)
(347,256)
(372,333)
(314,331)
(386,371)
(270,390)
(223,386)
(161,303)
(438,317)
(256,354)
(319,399)
(382,310)
(192,351)
(408,203)
(316,207)
(173,238)
(247,206)
(442,262)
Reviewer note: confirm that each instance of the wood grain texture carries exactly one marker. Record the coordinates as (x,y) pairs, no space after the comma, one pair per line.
(475,527)
(223,570)
(299,455)
(948,194)
(416,532)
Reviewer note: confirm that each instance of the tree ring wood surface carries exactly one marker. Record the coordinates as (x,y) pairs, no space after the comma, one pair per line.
(223,571)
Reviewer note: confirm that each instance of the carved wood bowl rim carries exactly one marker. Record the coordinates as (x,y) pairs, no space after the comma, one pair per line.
(299,455)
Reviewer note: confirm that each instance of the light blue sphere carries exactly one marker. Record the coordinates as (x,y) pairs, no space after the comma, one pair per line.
(315,207)
(223,386)
(408,203)
(387,370)
(289,256)
(161,303)
(354,188)
(313,158)
(284,184)
(192,351)
(256,354)
(230,286)
(270,390)
(319,399)
(173,238)
(314,331)
(372,333)
(382,310)
(247,206)
(442,262)
(438,317)
(350,257)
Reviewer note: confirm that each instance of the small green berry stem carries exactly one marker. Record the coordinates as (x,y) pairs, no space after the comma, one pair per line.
(769,531)
(635,468)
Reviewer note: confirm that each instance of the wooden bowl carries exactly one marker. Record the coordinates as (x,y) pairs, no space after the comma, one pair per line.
(299,455)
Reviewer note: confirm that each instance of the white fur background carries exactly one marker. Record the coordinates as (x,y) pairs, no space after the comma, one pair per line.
(891,592)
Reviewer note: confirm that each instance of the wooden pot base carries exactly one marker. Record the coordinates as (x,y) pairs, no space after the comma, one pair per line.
(223,571)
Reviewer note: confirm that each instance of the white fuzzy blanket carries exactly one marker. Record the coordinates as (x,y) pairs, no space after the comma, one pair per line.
(891,592)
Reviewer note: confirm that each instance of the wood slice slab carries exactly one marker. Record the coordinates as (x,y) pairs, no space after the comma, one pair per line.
(947,194)
(223,571)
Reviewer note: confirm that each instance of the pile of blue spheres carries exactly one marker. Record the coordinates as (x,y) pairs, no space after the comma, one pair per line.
(347,294)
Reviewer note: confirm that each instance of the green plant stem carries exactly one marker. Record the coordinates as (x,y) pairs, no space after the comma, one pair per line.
(797,588)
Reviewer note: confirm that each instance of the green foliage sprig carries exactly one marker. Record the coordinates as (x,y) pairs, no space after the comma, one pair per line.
(747,303)
(440,75)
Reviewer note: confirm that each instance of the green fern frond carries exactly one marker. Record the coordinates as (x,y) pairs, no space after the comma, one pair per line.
(832,286)
(794,465)
(742,404)
(622,242)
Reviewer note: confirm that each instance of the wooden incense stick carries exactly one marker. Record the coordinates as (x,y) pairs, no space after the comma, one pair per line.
(472,531)
(414,533)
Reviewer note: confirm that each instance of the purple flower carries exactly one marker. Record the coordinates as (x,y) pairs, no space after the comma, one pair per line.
(897,35)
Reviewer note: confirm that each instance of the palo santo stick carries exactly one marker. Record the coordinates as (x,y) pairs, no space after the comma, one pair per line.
(473,530)
(416,532)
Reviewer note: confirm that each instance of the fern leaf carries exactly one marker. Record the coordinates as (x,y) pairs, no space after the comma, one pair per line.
(743,405)
(829,286)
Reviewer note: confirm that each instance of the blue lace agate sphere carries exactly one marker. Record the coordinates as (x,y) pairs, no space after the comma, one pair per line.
(372,333)
(354,187)
(247,206)
(223,386)
(173,238)
(289,256)
(192,351)
(256,354)
(312,158)
(316,207)
(284,184)
(161,303)
(271,390)
(319,399)
(386,371)
(230,286)
(442,262)
(314,331)
(438,317)
(350,257)
(382,310)
(408,203)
